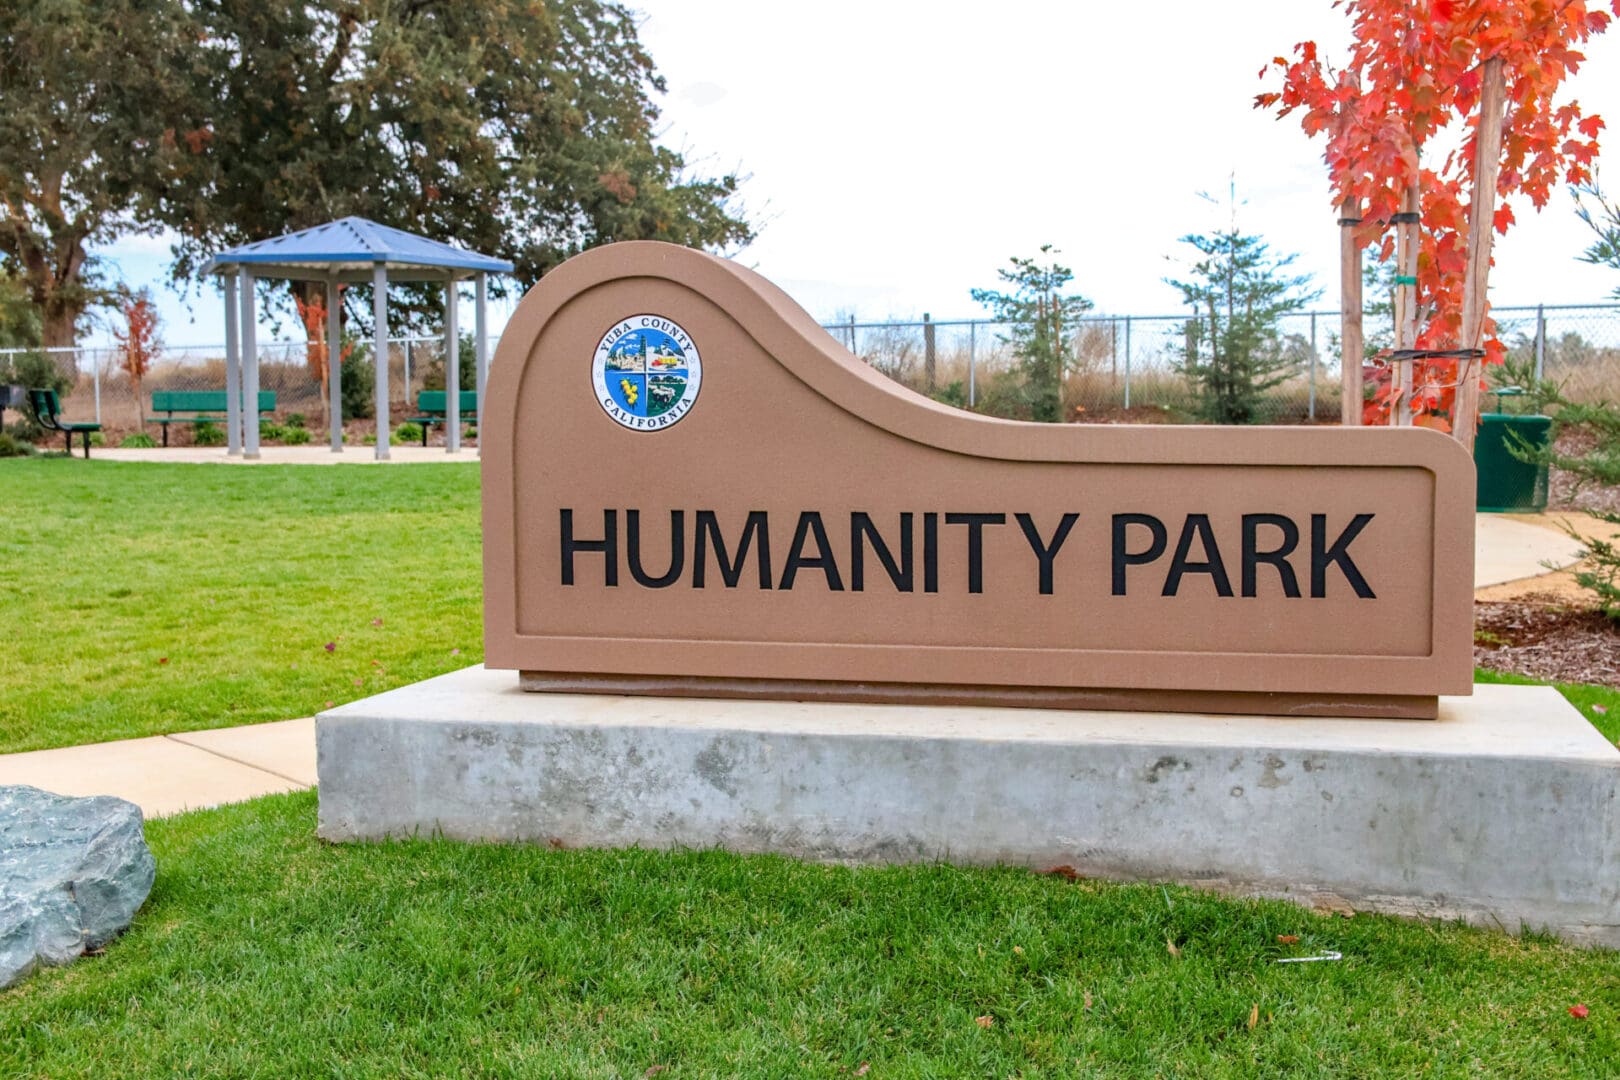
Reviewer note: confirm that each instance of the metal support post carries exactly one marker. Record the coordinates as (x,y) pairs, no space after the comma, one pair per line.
(452,371)
(334,364)
(233,370)
(250,370)
(379,345)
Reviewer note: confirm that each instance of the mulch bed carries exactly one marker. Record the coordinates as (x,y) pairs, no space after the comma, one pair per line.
(1562,493)
(1544,638)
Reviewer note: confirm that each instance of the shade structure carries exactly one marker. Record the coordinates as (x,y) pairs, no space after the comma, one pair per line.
(350,250)
(346,250)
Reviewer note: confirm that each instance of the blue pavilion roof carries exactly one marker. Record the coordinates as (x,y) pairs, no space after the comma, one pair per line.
(350,248)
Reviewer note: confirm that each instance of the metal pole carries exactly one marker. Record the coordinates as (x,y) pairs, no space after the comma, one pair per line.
(1312,412)
(852,332)
(95,373)
(379,345)
(406,352)
(250,370)
(1541,340)
(928,353)
(1127,361)
(1113,351)
(481,348)
(973,378)
(233,368)
(334,364)
(452,371)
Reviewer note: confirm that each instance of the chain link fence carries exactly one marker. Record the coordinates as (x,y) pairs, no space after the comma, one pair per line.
(1120,367)
(103,392)
(1132,367)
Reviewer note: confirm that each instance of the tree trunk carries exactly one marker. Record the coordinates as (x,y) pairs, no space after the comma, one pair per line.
(60,323)
(1481,214)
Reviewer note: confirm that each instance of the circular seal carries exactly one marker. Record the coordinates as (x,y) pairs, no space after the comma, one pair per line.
(646,372)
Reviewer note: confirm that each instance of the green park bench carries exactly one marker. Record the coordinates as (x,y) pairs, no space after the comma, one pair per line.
(199,407)
(48,411)
(431,405)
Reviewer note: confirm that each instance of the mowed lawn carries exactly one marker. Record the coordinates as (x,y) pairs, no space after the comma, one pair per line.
(138,599)
(150,598)
(142,599)
(265,953)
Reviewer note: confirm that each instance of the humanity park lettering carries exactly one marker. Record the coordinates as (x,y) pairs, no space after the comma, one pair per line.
(1297,557)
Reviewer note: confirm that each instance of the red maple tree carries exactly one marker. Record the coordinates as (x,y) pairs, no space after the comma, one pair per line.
(312,313)
(138,344)
(1417,73)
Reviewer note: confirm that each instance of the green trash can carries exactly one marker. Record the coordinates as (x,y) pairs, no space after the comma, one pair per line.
(1504,484)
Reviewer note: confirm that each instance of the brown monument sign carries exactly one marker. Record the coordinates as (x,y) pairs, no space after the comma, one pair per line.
(690,488)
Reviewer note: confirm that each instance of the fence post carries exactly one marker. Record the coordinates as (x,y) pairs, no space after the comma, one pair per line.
(1127,362)
(1311,413)
(928,353)
(1541,339)
(852,332)
(973,375)
(95,372)
(1113,352)
(407,369)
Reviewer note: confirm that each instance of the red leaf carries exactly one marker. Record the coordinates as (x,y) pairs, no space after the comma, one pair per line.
(1578,1011)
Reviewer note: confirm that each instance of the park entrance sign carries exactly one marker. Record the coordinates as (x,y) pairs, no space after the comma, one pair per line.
(772,600)
(691,489)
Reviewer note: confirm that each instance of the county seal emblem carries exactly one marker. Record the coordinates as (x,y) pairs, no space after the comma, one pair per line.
(646,372)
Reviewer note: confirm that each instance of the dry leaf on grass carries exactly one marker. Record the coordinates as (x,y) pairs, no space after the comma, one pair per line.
(1288,939)
(1254,1016)
(1174,951)
(984,1021)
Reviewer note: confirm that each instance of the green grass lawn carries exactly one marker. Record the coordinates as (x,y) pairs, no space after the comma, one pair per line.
(145,598)
(141,599)
(263,952)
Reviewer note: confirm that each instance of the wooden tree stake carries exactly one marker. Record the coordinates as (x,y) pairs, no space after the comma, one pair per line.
(1407,244)
(1481,218)
(1350,339)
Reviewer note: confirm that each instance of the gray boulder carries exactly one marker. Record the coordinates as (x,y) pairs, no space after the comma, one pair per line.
(73,872)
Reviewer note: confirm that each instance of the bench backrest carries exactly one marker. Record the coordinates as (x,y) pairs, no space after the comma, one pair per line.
(46,406)
(203,401)
(436,401)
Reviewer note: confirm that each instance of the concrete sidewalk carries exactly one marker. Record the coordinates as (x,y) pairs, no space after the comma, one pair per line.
(166,774)
(311,454)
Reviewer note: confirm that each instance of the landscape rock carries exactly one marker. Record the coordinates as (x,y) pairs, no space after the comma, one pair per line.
(73,872)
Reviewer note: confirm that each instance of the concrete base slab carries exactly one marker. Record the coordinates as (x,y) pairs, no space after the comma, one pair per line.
(1505,811)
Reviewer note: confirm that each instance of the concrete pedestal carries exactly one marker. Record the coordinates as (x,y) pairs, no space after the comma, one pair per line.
(1503,812)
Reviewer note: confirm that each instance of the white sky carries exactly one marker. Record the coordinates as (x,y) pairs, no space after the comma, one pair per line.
(899,153)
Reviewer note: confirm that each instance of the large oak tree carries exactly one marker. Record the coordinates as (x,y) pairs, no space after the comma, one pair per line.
(523,128)
(87,90)
(519,128)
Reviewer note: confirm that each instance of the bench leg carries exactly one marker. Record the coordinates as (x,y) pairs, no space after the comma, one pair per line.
(424,433)
(165,428)
(87,446)
(67,437)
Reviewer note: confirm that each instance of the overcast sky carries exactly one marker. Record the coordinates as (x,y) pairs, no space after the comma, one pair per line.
(898,154)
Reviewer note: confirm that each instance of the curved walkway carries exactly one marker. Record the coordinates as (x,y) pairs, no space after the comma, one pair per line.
(166,774)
